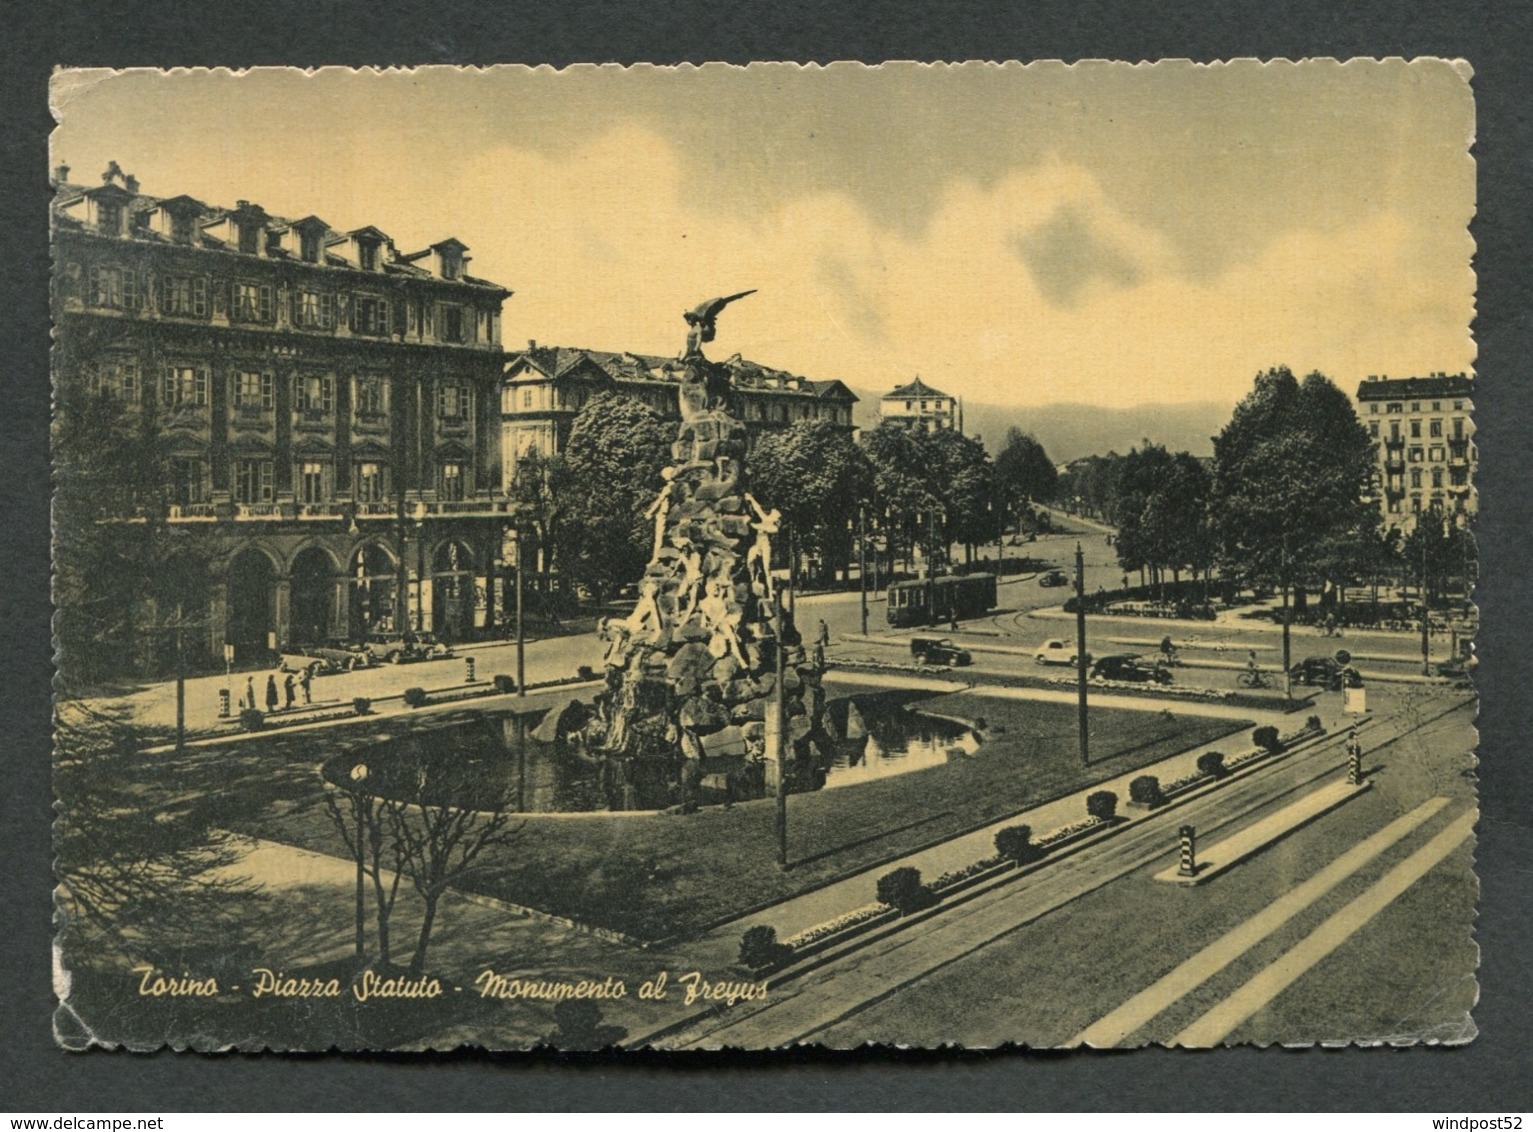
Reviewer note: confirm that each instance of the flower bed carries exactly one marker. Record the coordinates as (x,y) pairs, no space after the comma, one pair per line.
(955,877)
(1066,833)
(857,918)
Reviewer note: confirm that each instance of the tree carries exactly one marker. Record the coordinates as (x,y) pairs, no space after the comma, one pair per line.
(1023,469)
(1290,473)
(438,841)
(616,450)
(129,586)
(817,477)
(902,485)
(362,824)
(139,866)
(963,480)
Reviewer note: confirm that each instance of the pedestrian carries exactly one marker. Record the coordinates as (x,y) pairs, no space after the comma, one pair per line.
(248,700)
(289,684)
(304,681)
(822,637)
(271,692)
(953,621)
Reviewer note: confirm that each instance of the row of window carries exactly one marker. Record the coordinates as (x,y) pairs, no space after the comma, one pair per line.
(1457,477)
(255,390)
(252,481)
(1435,454)
(1435,503)
(1434,429)
(119,288)
(1399,406)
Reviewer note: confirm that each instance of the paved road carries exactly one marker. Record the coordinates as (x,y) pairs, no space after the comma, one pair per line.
(1357,926)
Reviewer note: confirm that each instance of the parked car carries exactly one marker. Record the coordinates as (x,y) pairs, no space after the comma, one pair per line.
(1053,578)
(939,650)
(1057,652)
(1325,672)
(399,648)
(1132,668)
(429,647)
(322,660)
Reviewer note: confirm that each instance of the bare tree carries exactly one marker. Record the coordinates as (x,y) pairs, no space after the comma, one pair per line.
(439,841)
(359,819)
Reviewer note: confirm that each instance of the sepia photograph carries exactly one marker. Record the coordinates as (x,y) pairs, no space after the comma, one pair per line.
(742,557)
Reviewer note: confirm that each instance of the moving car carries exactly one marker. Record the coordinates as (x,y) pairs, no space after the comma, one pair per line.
(1057,652)
(322,660)
(1325,672)
(939,650)
(1053,578)
(1130,667)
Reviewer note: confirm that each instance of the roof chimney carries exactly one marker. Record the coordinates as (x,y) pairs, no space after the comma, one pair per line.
(532,343)
(130,182)
(61,174)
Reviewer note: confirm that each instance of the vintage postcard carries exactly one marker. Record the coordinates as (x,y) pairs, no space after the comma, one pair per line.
(706,557)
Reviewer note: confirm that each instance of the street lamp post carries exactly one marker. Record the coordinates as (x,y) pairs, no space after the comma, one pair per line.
(1426,612)
(1080,648)
(521,636)
(358,777)
(862,562)
(780,729)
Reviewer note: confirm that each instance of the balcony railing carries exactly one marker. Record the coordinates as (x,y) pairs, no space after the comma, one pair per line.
(184,512)
(262,511)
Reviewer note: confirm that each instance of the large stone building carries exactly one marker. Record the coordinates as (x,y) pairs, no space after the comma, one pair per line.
(546,386)
(330,405)
(919,405)
(1424,427)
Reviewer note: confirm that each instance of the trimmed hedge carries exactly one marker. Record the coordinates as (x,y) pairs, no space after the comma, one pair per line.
(1015,843)
(1146,790)
(759,948)
(504,683)
(415,697)
(1102,805)
(902,889)
(1211,763)
(252,719)
(361,705)
(1267,739)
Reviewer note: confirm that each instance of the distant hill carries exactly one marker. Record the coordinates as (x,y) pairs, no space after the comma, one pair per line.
(1068,430)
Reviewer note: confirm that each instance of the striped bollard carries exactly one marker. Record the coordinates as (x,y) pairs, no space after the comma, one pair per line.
(1189,865)
(223,703)
(1354,763)
(468,670)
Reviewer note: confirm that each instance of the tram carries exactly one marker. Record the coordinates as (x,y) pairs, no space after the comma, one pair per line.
(933,601)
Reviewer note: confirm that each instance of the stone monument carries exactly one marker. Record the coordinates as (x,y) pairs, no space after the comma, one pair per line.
(690,704)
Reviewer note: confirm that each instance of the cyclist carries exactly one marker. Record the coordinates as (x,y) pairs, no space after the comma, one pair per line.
(1167,650)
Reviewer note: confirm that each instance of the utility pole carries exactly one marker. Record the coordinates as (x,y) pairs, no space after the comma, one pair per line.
(1080,647)
(780,733)
(862,562)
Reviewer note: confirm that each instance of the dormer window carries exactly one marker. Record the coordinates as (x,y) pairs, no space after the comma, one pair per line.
(274,241)
(450,258)
(109,218)
(367,255)
(182,227)
(250,238)
(308,246)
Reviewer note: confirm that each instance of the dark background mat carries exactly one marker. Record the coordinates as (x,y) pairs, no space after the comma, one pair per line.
(1485,1077)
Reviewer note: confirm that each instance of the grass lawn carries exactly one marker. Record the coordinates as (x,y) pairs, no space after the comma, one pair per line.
(657,876)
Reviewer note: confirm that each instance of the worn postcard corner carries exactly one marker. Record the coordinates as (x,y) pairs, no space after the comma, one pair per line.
(736,557)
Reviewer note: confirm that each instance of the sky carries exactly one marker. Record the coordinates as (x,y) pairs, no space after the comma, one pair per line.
(1111,234)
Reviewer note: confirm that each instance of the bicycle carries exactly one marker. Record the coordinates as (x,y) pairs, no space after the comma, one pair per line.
(1254,678)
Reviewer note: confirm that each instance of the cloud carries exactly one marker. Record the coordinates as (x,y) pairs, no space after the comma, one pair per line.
(1028,290)
(1066,256)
